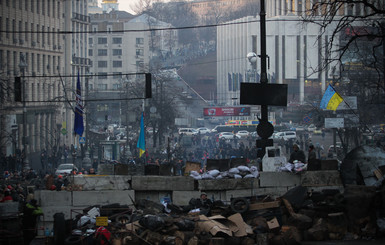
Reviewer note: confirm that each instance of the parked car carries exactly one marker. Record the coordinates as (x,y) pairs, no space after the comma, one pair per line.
(66,168)
(188,131)
(286,135)
(311,128)
(228,136)
(204,130)
(317,131)
(243,133)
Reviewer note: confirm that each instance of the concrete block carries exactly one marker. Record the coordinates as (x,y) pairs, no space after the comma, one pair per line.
(272,191)
(240,193)
(46,198)
(97,182)
(88,198)
(105,169)
(162,183)
(154,196)
(183,197)
(321,178)
(228,184)
(50,211)
(279,179)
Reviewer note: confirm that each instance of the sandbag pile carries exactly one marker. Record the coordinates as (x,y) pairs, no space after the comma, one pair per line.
(235,173)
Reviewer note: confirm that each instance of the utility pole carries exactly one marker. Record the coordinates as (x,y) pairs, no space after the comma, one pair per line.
(23,65)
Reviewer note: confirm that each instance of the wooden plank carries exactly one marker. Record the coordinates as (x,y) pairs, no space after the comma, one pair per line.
(378,173)
(264,205)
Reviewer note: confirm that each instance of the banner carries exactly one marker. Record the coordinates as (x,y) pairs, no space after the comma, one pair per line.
(226,111)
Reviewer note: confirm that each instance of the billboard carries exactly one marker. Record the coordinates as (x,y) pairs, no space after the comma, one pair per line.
(226,111)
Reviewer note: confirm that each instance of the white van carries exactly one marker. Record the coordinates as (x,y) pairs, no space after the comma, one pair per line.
(188,131)
(286,135)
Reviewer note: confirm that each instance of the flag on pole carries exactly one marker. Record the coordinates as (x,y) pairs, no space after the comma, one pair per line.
(78,125)
(331,99)
(141,141)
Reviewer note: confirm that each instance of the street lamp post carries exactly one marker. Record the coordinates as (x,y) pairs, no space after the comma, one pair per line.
(23,65)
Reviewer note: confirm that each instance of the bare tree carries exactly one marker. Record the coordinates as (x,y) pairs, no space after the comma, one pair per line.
(358,32)
(356,41)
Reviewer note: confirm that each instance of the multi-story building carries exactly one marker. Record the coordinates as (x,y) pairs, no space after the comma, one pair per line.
(76,61)
(122,44)
(294,51)
(45,43)
(31,48)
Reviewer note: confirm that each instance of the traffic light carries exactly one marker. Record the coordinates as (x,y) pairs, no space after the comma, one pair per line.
(17,89)
(148,86)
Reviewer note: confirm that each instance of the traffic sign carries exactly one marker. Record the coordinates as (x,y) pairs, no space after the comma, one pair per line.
(306,119)
(82,140)
(64,131)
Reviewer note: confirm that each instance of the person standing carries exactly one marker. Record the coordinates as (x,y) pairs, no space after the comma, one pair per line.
(297,154)
(30,213)
(311,155)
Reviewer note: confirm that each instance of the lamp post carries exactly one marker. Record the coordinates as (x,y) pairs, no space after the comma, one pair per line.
(23,65)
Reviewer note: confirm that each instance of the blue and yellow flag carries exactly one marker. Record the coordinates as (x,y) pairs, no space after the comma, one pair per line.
(331,99)
(141,141)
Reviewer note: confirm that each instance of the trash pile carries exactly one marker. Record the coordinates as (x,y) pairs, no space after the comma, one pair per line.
(235,173)
(299,215)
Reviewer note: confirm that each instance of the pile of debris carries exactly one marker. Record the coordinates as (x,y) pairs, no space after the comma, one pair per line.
(299,215)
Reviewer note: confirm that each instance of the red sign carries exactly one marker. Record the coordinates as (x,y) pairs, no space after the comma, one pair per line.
(226,111)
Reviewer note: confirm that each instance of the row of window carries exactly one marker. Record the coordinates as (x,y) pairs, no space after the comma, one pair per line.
(31,31)
(39,6)
(36,62)
(115,64)
(115,40)
(115,52)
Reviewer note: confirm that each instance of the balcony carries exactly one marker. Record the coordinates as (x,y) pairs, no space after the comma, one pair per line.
(80,17)
(81,61)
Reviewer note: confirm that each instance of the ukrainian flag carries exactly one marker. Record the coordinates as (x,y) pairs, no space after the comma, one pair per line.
(331,99)
(141,141)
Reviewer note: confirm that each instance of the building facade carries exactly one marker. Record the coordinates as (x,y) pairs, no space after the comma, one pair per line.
(122,45)
(294,51)
(32,48)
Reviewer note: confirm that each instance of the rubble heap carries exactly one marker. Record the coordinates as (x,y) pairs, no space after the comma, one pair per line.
(299,215)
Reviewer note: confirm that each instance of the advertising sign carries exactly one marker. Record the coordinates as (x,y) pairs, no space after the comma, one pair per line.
(226,111)
(334,122)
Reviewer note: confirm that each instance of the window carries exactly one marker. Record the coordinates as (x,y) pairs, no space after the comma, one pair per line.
(116,86)
(32,5)
(26,5)
(37,34)
(117,75)
(139,52)
(42,36)
(48,36)
(90,40)
(102,75)
(116,52)
(117,63)
(102,52)
(7,28)
(14,29)
(20,30)
(102,63)
(116,40)
(102,40)
(25,29)
(102,86)
(139,40)
(43,7)
(90,52)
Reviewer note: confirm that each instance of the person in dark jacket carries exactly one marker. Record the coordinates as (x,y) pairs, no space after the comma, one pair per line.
(297,154)
(30,213)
